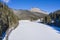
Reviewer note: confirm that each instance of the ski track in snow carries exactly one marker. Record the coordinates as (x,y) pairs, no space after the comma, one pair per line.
(27,30)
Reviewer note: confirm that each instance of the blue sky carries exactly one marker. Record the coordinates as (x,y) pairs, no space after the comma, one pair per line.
(47,5)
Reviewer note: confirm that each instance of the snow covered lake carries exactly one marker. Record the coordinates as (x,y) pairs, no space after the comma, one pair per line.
(27,30)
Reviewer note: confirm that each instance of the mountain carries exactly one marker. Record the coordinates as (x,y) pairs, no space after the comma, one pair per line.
(29,15)
(38,10)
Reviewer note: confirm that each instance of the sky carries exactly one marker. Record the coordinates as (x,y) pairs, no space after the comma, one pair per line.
(46,5)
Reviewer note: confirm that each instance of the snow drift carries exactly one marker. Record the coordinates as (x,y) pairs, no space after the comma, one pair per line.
(27,30)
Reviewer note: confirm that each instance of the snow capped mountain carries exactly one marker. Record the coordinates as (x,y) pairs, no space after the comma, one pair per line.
(38,10)
(27,30)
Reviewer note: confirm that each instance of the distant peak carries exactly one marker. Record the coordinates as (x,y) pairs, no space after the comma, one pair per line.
(38,10)
(35,9)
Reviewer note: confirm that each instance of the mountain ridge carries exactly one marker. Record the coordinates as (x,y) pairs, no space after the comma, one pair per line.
(28,12)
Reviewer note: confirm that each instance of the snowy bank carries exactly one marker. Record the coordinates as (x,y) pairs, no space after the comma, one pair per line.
(27,30)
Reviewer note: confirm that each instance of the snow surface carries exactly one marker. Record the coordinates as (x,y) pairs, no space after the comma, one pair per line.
(27,30)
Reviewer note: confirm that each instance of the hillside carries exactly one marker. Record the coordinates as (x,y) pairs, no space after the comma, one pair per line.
(28,15)
(53,18)
(7,18)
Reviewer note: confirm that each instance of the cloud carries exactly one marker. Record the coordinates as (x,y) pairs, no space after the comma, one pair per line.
(6,1)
